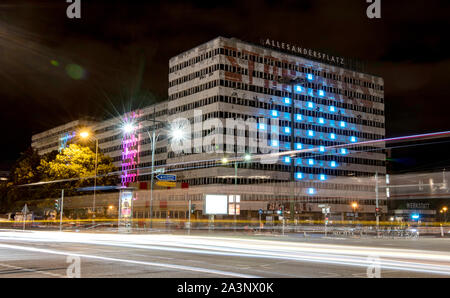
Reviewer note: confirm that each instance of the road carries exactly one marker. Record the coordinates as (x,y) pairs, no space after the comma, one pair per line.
(50,253)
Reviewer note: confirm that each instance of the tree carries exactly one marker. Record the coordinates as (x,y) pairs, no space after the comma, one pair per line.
(74,162)
(24,171)
(78,163)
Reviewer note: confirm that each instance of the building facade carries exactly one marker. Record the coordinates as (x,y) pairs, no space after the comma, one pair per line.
(251,135)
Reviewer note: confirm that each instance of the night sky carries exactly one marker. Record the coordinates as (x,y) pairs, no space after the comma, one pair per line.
(117,56)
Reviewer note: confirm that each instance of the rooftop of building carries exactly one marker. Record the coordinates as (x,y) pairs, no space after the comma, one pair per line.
(281,51)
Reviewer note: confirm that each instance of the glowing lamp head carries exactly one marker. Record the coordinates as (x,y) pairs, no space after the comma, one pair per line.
(354,205)
(177,134)
(128,127)
(247,157)
(224,160)
(84,134)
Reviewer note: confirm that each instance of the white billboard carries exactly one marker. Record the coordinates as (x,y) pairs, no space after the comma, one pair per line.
(216,204)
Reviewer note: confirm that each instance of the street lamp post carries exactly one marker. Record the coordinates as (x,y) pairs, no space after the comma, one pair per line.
(85,135)
(177,134)
(247,157)
(354,206)
(444,211)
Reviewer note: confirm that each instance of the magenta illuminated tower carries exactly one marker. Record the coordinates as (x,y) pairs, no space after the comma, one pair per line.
(130,150)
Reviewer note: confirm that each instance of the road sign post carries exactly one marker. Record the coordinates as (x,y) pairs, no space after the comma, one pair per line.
(61,212)
(24,214)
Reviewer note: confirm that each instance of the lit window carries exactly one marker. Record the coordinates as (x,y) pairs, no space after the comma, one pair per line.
(298,146)
(322,148)
(321,93)
(332,136)
(298,176)
(353,139)
(274,143)
(333,164)
(342,124)
(262,126)
(322,177)
(343,151)
(310,133)
(311,161)
(274,113)
(298,88)
(310,77)
(287,159)
(287,130)
(310,104)
(321,120)
(298,117)
(311,191)
(287,100)
(332,109)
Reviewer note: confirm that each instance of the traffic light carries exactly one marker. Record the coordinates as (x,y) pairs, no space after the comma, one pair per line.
(57,204)
(377,211)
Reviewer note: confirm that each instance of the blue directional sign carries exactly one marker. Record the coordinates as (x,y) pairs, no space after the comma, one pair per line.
(165,177)
(260,211)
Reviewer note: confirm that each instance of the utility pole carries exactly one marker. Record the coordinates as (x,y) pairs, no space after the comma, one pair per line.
(189,225)
(61,211)
(95,178)
(377,203)
(235,183)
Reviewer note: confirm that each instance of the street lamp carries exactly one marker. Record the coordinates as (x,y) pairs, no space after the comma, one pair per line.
(247,157)
(85,135)
(354,206)
(176,133)
(444,211)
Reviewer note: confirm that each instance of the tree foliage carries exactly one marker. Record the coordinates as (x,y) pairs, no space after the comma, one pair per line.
(75,165)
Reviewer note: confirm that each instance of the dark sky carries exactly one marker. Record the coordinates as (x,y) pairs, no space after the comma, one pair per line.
(124,46)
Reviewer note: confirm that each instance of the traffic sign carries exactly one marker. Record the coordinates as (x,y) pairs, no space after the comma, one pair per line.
(160,170)
(165,177)
(166,183)
(260,211)
(25,209)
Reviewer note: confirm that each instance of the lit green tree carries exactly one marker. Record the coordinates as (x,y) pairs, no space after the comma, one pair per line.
(78,163)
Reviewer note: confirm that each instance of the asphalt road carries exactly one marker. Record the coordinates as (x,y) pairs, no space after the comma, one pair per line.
(50,254)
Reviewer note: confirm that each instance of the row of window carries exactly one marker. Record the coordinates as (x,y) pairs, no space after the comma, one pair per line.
(314,127)
(272,62)
(225,67)
(257,103)
(252,88)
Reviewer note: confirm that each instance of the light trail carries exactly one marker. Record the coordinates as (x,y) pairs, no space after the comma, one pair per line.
(163,265)
(431,262)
